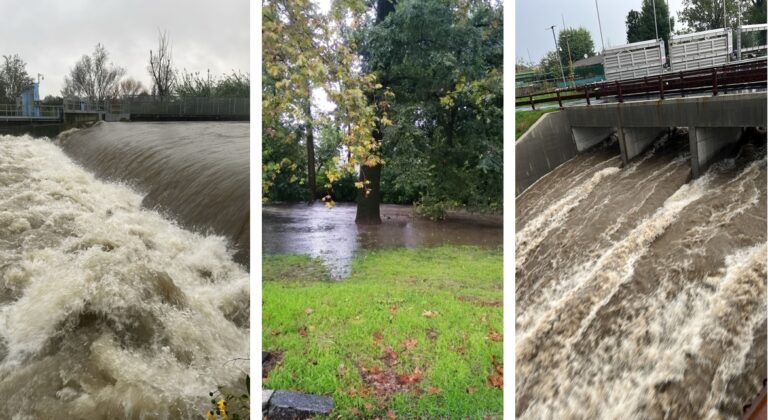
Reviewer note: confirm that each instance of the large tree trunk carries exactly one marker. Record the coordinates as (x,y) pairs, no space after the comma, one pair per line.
(369,197)
(311,178)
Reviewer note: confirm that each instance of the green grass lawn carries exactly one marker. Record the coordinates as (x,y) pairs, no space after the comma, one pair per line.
(525,119)
(414,333)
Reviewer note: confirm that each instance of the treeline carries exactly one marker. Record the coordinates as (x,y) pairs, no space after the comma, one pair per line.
(96,78)
(417,104)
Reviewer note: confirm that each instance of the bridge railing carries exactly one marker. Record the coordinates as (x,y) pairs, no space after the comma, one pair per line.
(42,111)
(180,106)
(749,74)
(186,106)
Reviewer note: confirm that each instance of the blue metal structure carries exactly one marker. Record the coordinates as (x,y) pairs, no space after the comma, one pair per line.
(30,100)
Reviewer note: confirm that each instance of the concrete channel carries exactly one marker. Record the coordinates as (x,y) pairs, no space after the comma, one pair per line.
(713,123)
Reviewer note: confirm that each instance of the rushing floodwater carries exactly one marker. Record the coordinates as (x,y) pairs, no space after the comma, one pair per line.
(107,310)
(333,236)
(641,295)
(197,172)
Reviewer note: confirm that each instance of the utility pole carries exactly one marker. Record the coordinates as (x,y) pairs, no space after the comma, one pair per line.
(738,33)
(725,17)
(568,45)
(655,25)
(557,52)
(600,26)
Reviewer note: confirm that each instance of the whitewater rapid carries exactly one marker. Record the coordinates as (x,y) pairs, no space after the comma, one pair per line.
(108,310)
(641,294)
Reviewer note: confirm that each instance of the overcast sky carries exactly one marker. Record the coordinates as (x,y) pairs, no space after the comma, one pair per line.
(533,16)
(51,35)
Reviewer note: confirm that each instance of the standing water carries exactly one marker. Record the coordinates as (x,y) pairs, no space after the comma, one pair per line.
(107,309)
(332,235)
(642,294)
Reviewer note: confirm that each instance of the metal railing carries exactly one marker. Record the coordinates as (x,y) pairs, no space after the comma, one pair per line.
(715,80)
(179,106)
(186,106)
(42,111)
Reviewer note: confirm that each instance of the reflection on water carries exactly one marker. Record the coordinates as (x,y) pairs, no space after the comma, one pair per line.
(333,236)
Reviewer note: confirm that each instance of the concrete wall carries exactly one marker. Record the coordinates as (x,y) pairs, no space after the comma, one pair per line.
(706,142)
(546,145)
(586,137)
(634,141)
(713,122)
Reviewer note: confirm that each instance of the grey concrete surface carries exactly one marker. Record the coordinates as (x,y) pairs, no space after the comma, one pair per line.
(546,145)
(706,142)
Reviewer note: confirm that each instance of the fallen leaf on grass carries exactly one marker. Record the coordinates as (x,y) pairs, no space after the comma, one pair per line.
(390,356)
(484,318)
(377,337)
(429,314)
(392,310)
(407,379)
(496,381)
(341,370)
(432,390)
(309,311)
(494,336)
(432,334)
(410,343)
(471,390)
(303,331)
(368,407)
(391,415)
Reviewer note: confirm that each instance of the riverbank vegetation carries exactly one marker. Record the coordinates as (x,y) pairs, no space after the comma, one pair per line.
(373,102)
(412,333)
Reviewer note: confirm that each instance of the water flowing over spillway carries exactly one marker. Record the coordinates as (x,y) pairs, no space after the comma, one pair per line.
(641,294)
(107,309)
(197,172)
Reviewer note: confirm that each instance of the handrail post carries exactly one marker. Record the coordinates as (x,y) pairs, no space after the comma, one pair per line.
(618,91)
(714,82)
(533,105)
(682,85)
(586,92)
(661,87)
(559,101)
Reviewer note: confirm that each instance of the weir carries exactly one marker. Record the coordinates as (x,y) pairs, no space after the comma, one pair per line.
(713,122)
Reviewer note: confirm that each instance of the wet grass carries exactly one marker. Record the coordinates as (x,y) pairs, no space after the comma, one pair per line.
(525,119)
(411,333)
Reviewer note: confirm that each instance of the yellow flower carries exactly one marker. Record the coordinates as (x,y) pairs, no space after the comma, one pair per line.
(223,409)
(211,416)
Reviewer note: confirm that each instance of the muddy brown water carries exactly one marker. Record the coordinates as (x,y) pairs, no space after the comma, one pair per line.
(196,173)
(641,294)
(333,236)
(108,310)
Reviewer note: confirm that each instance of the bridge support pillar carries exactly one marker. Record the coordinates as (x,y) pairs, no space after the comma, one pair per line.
(706,142)
(586,137)
(634,141)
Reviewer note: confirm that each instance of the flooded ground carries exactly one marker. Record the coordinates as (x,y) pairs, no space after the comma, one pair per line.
(333,236)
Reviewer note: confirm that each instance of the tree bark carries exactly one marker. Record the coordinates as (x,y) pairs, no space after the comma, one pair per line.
(311,177)
(369,197)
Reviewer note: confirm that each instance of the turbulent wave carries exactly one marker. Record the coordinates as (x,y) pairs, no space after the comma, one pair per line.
(642,296)
(196,172)
(107,310)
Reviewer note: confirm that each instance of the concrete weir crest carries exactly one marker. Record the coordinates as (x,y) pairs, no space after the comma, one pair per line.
(713,123)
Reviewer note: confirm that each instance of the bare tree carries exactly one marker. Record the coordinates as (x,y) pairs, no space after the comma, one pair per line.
(131,87)
(161,67)
(93,77)
(13,78)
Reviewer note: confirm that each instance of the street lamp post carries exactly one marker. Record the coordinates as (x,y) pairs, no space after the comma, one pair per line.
(599,25)
(557,51)
(655,24)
